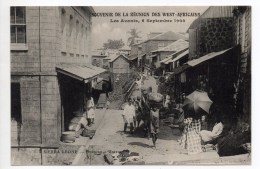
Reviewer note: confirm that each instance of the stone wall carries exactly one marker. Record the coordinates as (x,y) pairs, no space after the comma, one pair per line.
(25,156)
(214,34)
(29,131)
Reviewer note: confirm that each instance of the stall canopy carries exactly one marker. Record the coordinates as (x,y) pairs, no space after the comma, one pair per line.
(181,55)
(153,56)
(207,57)
(181,68)
(80,72)
(164,61)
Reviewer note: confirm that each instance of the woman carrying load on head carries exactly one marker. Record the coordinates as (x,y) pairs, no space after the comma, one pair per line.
(154,124)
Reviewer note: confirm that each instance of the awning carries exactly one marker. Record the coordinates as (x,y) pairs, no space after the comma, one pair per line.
(181,69)
(80,72)
(207,57)
(141,55)
(132,57)
(168,61)
(153,56)
(180,56)
(165,60)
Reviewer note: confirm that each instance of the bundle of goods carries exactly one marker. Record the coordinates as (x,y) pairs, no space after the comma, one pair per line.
(155,97)
(88,133)
(155,100)
(124,157)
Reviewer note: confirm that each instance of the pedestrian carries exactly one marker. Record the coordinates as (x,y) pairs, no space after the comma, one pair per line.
(154,125)
(128,115)
(167,102)
(135,106)
(90,110)
(193,136)
(138,110)
(138,84)
(145,113)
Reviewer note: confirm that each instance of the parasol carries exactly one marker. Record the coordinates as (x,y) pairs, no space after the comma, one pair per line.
(197,103)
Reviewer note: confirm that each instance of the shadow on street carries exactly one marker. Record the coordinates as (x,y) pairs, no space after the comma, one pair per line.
(140,144)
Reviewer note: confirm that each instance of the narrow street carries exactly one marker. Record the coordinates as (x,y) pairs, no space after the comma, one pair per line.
(110,137)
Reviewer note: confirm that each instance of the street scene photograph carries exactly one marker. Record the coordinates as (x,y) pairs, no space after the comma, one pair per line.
(130,85)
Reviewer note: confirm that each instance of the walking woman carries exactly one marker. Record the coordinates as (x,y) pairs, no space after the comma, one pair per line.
(154,124)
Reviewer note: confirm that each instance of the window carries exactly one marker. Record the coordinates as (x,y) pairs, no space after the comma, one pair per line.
(18,25)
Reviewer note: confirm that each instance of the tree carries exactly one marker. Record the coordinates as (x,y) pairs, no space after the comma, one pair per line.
(113,44)
(133,35)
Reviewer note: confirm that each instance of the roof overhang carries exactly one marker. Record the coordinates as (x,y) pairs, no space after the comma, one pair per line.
(207,57)
(80,72)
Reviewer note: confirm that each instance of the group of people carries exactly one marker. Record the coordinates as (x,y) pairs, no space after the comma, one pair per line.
(139,109)
(195,135)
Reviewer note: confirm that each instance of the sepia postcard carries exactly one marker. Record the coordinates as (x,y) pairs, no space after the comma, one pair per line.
(130,85)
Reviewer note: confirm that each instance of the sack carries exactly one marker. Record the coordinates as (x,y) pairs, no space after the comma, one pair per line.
(88,133)
(155,97)
(74,124)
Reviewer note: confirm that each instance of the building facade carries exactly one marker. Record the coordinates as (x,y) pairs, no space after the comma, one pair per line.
(42,40)
(242,34)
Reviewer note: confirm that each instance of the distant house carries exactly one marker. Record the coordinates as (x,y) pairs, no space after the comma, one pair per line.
(121,76)
(119,64)
(175,60)
(134,56)
(124,50)
(170,50)
(156,41)
(98,60)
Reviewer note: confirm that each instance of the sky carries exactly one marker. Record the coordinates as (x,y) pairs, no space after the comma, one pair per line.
(103,29)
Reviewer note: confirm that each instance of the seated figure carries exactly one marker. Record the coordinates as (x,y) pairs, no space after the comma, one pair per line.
(208,136)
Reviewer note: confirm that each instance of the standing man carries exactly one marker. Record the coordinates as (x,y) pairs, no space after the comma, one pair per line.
(128,115)
(90,111)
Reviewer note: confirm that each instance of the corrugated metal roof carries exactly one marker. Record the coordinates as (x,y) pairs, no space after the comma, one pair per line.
(80,72)
(153,56)
(214,12)
(132,57)
(206,57)
(180,55)
(115,57)
(180,69)
(218,12)
(166,59)
(175,46)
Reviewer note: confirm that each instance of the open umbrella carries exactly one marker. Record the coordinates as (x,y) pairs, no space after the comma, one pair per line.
(197,103)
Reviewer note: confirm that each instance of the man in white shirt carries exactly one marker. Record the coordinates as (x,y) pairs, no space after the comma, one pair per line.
(128,115)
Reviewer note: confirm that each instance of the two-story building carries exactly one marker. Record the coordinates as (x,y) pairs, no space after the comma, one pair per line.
(51,76)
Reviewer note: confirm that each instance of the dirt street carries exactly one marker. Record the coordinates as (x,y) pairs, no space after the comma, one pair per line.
(110,137)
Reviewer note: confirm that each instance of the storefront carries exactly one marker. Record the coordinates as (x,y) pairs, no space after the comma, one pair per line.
(76,84)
